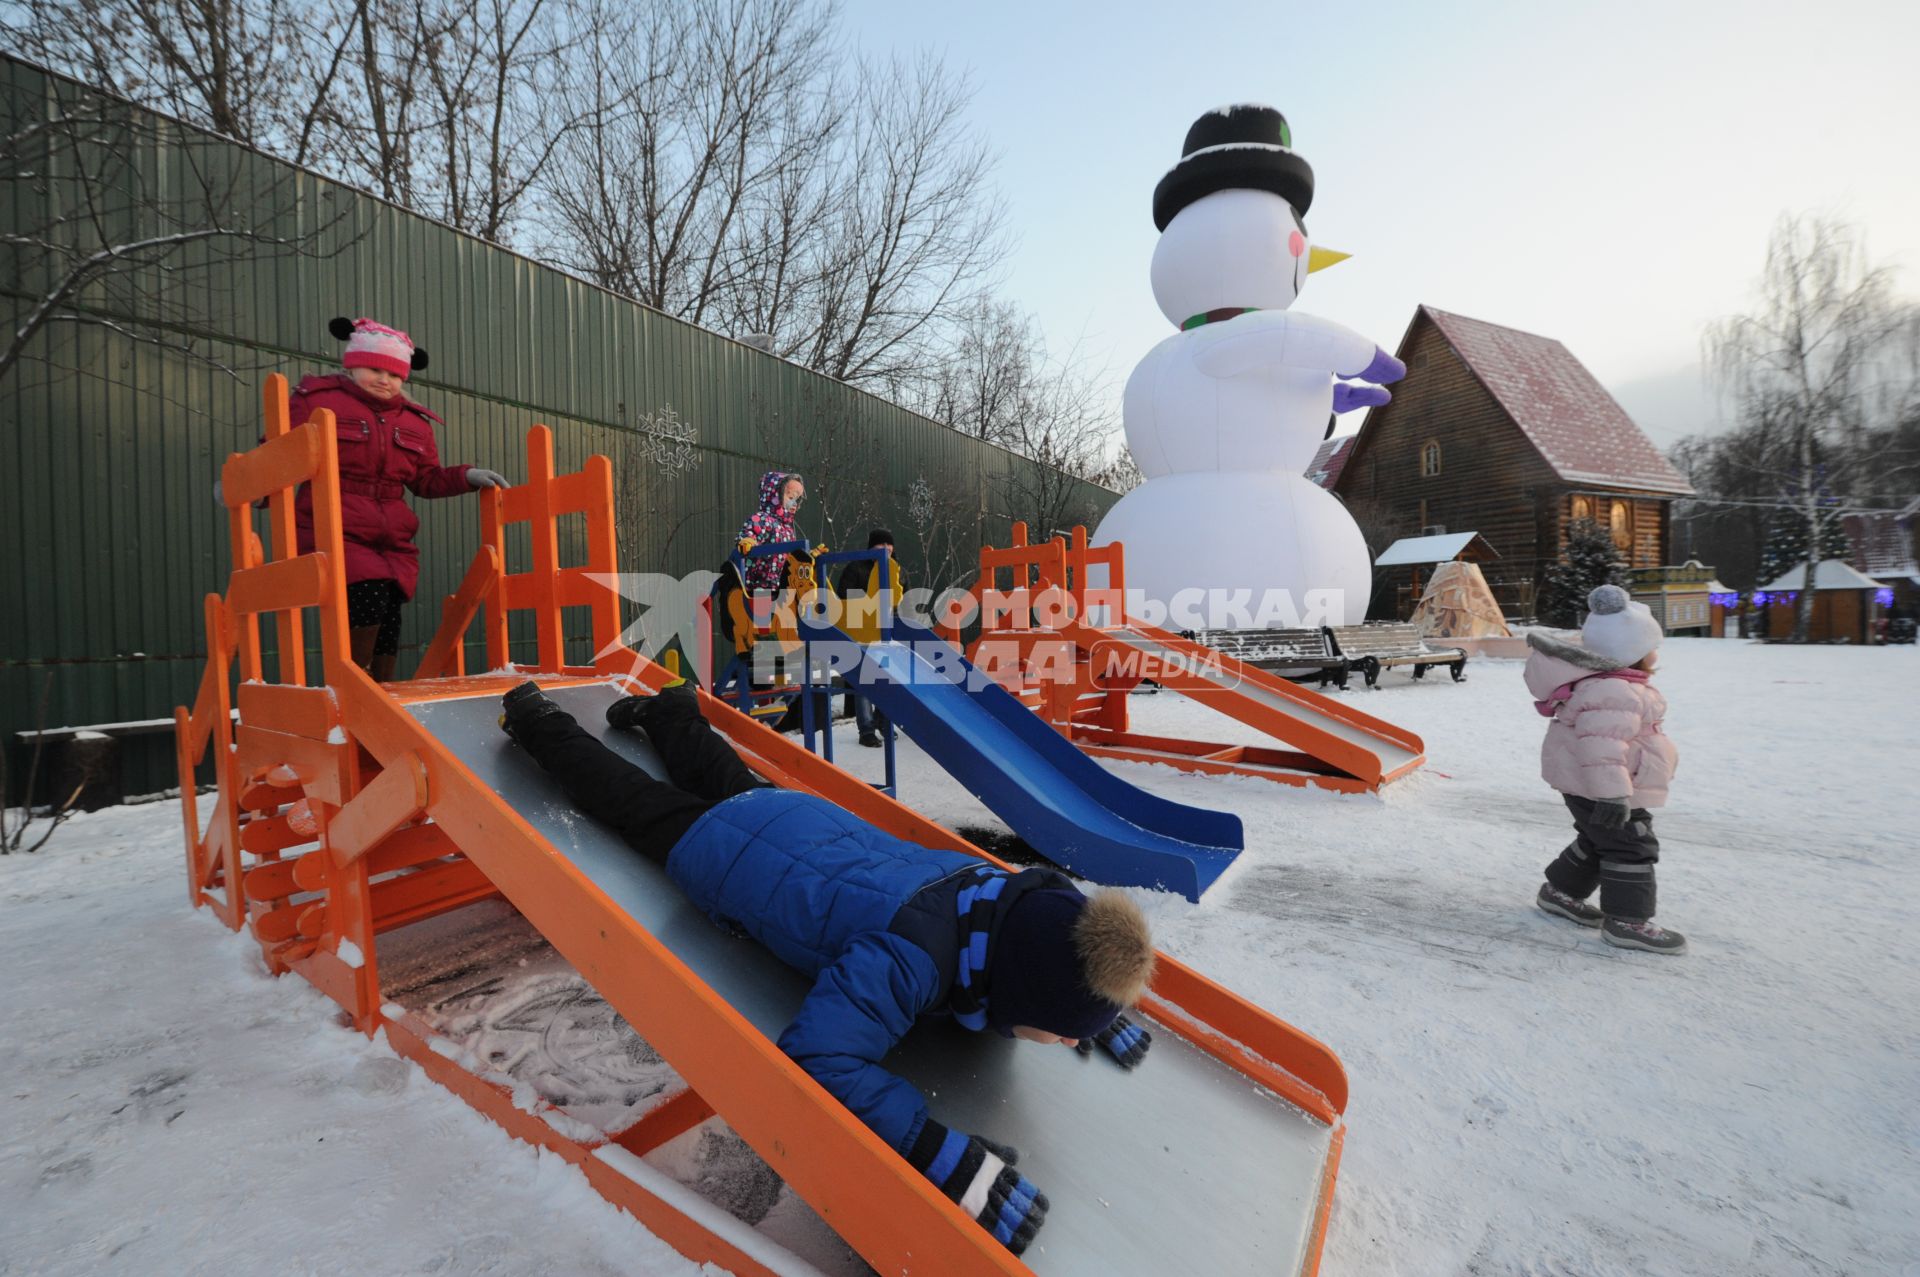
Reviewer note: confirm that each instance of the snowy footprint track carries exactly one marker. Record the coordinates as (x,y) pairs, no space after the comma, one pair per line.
(562,1038)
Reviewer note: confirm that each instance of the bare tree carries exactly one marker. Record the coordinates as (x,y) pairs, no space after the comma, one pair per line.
(688,113)
(918,231)
(998,383)
(443,106)
(729,168)
(1060,436)
(1810,370)
(1122,474)
(261,71)
(724,161)
(449,106)
(982,386)
(105,236)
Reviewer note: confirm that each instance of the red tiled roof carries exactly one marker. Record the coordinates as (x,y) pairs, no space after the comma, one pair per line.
(1327,463)
(1565,413)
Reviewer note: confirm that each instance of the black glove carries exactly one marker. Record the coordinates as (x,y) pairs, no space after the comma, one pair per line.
(1124,1040)
(979,1175)
(1611,813)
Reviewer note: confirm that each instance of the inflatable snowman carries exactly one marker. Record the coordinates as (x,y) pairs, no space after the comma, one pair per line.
(1224,416)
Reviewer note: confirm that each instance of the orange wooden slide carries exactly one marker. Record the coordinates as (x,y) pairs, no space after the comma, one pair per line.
(1219,1154)
(1070,651)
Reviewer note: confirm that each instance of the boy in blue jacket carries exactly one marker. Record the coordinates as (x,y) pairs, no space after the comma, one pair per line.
(889,931)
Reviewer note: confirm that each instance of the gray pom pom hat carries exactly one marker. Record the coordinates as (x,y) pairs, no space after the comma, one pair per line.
(1619,633)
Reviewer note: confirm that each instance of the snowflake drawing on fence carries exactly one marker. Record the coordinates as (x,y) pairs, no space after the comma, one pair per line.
(668,443)
(920,502)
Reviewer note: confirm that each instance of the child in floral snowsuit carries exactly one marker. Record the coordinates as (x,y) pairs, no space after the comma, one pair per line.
(1610,761)
(780,496)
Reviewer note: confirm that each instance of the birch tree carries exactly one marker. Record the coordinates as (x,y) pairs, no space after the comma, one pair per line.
(1811,370)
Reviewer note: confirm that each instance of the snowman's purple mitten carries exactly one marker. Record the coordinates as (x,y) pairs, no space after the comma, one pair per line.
(1384,369)
(1347,396)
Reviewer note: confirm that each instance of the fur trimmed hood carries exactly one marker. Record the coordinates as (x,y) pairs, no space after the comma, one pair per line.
(1572,653)
(1115,946)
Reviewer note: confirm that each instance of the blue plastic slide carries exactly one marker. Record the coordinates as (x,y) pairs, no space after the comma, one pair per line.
(1064,804)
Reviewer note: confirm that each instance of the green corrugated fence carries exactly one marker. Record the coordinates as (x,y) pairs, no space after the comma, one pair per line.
(109,445)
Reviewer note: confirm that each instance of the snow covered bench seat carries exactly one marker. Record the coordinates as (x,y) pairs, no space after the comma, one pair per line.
(1379,645)
(1295,654)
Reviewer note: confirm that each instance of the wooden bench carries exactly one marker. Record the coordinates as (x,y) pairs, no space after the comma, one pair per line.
(80,766)
(1278,651)
(1380,645)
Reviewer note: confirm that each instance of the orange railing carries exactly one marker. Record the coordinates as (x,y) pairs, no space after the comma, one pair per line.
(283,586)
(489,592)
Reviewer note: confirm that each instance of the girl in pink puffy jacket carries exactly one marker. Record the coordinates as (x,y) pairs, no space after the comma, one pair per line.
(1610,761)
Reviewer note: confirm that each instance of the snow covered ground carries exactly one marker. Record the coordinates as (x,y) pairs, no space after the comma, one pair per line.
(1525,1100)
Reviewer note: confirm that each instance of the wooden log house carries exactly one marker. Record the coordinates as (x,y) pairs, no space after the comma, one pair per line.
(1504,433)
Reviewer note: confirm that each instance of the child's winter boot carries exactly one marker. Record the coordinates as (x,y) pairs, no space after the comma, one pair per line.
(1561,905)
(625,712)
(524,706)
(1641,933)
(674,703)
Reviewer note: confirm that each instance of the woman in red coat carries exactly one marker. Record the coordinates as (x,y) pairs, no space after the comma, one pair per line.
(387,449)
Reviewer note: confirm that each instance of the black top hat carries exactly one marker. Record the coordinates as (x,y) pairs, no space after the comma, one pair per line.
(1243,147)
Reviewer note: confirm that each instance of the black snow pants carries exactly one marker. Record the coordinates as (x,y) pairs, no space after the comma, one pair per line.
(1618,861)
(652,815)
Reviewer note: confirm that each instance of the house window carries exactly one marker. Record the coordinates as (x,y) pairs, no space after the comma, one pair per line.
(1430,459)
(1622,525)
(1582,508)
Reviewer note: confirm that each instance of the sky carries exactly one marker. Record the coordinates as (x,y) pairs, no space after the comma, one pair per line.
(1605,174)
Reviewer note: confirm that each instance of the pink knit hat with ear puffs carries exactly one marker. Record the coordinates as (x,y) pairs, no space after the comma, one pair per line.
(372,345)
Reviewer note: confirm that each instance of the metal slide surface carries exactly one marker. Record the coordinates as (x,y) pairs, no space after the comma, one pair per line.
(1067,806)
(1183,1165)
(1223,680)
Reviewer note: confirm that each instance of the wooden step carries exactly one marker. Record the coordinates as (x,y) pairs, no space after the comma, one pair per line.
(273,880)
